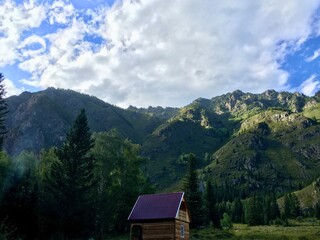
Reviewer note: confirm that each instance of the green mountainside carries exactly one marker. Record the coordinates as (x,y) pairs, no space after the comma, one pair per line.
(307,196)
(255,141)
(251,141)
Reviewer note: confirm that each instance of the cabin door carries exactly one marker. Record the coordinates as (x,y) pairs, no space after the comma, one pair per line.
(136,232)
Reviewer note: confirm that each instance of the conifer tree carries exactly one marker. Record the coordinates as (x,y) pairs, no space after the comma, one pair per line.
(254,211)
(317,210)
(274,208)
(70,183)
(193,194)
(237,211)
(211,210)
(3,110)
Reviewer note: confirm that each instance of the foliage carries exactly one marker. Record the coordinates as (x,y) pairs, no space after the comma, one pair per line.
(19,216)
(253,214)
(226,222)
(237,211)
(210,203)
(70,184)
(292,207)
(120,180)
(193,195)
(3,110)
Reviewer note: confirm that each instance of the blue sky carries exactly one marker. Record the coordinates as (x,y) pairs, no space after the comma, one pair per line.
(154,52)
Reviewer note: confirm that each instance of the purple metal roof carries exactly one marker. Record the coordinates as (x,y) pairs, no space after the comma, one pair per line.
(156,206)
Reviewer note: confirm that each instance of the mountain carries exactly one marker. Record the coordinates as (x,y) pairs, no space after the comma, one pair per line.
(249,141)
(254,141)
(40,120)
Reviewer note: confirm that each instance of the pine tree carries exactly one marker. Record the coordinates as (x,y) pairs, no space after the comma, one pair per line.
(3,110)
(193,195)
(254,211)
(317,210)
(237,211)
(287,207)
(274,208)
(211,211)
(70,183)
(292,207)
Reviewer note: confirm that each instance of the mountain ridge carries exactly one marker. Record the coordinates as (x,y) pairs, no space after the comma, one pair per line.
(243,139)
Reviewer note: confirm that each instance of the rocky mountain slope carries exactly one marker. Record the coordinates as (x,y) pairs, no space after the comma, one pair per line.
(255,141)
(251,141)
(40,120)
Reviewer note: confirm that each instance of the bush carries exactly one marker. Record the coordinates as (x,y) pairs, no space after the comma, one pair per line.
(226,222)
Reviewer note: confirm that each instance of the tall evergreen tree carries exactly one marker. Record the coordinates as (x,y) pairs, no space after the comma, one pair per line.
(3,110)
(120,180)
(193,194)
(70,183)
(254,211)
(292,207)
(317,210)
(211,211)
(274,208)
(237,211)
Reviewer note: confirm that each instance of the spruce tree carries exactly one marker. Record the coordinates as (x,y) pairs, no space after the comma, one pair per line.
(193,195)
(211,211)
(254,211)
(3,110)
(70,183)
(317,210)
(237,211)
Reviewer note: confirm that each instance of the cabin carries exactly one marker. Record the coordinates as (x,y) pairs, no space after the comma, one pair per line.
(162,216)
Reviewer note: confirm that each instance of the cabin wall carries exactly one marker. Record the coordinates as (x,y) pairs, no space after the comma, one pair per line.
(183,215)
(178,224)
(161,230)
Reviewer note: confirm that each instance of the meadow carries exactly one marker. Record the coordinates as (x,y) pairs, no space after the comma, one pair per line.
(306,229)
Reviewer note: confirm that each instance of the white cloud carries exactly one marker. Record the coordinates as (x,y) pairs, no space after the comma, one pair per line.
(310,86)
(157,52)
(11,89)
(31,41)
(60,12)
(315,55)
(14,20)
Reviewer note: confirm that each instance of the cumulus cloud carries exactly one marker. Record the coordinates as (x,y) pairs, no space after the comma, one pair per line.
(310,86)
(11,89)
(154,52)
(60,12)
(14,20)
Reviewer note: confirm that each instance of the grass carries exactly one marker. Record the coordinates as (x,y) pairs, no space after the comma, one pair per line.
(307,229)
(298,231)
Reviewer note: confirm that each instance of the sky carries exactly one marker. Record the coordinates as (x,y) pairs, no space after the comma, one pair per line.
(160,53)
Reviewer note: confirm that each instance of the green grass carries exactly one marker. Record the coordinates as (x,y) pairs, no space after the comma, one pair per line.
(307,229)
(313,112)
(300,231)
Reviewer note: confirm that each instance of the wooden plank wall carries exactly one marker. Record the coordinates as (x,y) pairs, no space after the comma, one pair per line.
(186,230)
(163,230)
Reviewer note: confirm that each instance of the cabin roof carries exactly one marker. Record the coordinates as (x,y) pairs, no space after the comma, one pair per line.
(157,206)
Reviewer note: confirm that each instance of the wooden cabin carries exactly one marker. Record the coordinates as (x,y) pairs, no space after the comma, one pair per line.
(160,216)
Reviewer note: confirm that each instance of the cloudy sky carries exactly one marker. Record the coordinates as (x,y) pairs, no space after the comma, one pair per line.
(156,52)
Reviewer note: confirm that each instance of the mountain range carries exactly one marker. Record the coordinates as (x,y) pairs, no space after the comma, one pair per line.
(250,141)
